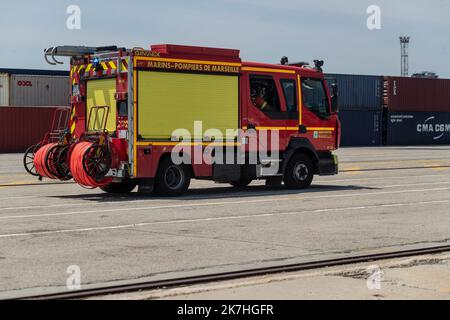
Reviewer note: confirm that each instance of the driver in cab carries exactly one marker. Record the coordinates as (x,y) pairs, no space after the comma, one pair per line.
(258,99)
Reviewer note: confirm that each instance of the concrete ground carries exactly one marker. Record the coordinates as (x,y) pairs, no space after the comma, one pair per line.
(422,277)
(385,199)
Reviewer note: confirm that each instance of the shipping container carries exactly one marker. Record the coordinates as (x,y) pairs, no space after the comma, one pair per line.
(360,127)
(21,127)
(418,128)
(32,90)
(359,91)
(4,89)
(416,94)
(35,72)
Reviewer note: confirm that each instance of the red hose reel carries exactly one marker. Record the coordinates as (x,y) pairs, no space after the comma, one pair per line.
(87,161)
(90,163)
(43,161)
(50,161)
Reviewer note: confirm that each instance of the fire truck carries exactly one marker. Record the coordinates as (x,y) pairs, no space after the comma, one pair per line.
(157,118)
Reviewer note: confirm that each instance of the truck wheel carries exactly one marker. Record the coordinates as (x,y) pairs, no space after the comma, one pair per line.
(122,187)
(171,179)
(241,183)
(299,172)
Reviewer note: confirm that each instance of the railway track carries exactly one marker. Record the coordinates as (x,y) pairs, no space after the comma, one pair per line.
(171,283)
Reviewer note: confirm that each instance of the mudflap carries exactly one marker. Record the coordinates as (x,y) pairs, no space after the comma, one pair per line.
(328,164)
(146,186)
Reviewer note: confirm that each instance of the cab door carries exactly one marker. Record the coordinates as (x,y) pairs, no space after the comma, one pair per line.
(289,86)
(265,110)
(316,114)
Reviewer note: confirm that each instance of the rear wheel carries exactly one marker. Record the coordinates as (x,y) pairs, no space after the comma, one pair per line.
(299,172)
(122,187)
(171,179)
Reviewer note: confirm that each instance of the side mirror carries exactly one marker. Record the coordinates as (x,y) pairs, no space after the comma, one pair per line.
(334,98)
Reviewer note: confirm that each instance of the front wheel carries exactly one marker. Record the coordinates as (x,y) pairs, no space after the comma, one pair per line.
(171,179)
(122,187)
(299,172)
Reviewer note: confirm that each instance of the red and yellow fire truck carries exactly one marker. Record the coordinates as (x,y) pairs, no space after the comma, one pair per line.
(158,118)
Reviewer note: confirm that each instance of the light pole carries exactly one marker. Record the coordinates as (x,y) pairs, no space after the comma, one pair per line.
(404,44)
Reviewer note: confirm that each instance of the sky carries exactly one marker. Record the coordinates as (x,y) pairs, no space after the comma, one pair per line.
(264,30)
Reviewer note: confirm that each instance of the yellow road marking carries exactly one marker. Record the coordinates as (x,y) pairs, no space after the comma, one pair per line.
(435,166)
(417,162)
(355,170)
(401,164)
(35,182)
(17,183)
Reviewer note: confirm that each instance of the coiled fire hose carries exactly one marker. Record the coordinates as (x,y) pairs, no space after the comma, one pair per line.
(44,161)
(89,164)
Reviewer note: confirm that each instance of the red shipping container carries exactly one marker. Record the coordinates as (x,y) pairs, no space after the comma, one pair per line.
(22,127)
(417,94)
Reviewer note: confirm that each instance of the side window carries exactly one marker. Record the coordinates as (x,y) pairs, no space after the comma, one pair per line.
(314,96)
(264,94)
(290,94)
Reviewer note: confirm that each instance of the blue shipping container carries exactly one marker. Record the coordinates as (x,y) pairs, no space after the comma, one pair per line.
(360,128)
(358,91)
(418,128)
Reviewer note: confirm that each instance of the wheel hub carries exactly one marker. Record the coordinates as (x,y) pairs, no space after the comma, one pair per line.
(301,172)
(174,177)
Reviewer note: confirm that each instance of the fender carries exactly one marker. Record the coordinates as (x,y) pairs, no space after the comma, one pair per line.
(304,145)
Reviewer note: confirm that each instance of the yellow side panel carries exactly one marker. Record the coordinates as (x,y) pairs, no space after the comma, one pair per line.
(168,101)
(101,93)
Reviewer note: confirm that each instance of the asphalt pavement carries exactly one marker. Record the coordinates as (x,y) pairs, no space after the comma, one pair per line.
(384,199)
